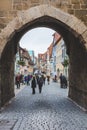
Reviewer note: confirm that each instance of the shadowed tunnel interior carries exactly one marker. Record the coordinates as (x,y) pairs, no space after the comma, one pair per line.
(75,49)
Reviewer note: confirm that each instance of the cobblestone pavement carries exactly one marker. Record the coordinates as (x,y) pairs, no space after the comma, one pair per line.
(50,110)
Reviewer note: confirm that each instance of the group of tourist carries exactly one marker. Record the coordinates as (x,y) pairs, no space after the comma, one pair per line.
(19,78)
(63,81)
(38,80)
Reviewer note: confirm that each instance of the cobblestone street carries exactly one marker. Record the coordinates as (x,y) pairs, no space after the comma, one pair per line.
(50,110)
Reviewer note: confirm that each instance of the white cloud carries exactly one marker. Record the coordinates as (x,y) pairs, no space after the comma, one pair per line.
(37,39)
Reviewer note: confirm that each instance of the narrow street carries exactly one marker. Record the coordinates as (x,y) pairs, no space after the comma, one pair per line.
(50,110)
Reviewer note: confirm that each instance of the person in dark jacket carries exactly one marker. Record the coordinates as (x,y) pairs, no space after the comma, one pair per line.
(61,80)
(37,79)
(40,83)
(28,79)
(64,81)
(33,84)
(17,80)
(44,78)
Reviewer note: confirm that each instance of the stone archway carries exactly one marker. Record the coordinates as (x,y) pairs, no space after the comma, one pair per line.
(74,33)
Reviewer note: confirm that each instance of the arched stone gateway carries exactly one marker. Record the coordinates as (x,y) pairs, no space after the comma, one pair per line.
(74,33)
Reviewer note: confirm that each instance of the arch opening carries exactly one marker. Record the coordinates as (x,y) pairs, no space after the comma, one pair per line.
(76,51)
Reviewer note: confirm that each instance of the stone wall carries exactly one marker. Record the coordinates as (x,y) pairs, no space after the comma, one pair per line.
(9,8)
(74,37)
(73,31)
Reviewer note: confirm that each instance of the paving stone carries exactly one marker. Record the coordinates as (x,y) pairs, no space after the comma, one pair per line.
(50,110)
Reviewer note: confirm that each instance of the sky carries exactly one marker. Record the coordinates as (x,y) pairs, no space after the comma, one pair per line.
(37,39)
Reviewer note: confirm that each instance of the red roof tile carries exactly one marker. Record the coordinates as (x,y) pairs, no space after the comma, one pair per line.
(57,37)
(50,48)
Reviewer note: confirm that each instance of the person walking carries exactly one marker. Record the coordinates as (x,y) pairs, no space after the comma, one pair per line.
(48,79)
(44,78)
(33,84)
(17,80)
(64,81)
(25,79)
(40,83)
(28,79)
(37,79)
(61,80)
(55,78)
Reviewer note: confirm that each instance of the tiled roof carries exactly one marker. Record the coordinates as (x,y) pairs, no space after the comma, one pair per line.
(50,48)
(44,55)
(57,38)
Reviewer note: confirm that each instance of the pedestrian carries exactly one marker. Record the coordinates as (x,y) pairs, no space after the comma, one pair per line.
(61,80)
(48,79)
(21,79)
(44,78)
(64,80)
(25,79)
(28,79)
(40,83)
(55,78)
(33,84)
(37,79)
(17,80)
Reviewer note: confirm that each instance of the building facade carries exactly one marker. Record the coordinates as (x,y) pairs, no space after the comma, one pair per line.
(24,64)
(59,56)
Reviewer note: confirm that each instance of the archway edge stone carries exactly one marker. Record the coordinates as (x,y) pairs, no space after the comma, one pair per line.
(23,17)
